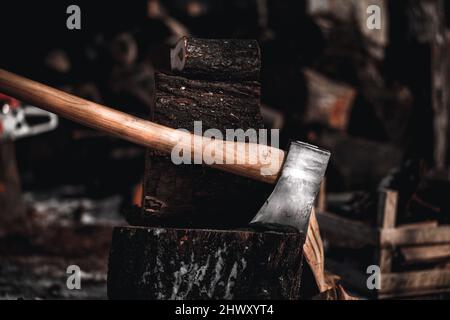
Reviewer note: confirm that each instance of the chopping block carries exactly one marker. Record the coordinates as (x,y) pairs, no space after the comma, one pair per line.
(194,264)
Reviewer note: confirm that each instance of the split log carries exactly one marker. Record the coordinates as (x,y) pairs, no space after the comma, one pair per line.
(149,263)
(217,59)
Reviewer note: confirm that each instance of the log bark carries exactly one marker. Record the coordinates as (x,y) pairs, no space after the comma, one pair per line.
(193,195)
(217,59)
(181,101)
(149,263)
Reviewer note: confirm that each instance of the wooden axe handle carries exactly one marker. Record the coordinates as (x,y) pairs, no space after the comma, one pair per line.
(144,132)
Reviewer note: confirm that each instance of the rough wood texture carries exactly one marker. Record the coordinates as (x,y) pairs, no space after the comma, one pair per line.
(181,101)
(386,219)
(193,195)
(419,236)
(217,59)
(314,255)
(11,205)
(415,283)
(425,254)
(149,263)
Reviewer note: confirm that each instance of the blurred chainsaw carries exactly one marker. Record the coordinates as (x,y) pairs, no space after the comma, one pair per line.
(19,121)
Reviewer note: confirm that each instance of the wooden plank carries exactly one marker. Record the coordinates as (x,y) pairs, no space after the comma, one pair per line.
(385,257)
(425,254)
(419,225)
(347,229)
(355,168)
(411,283)
(422,236)
(386,218)
(387,209)
(418,293)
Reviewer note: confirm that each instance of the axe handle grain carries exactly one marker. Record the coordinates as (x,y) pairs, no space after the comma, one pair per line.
(140,131)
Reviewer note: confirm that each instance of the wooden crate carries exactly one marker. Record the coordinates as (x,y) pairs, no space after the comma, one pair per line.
(417,243)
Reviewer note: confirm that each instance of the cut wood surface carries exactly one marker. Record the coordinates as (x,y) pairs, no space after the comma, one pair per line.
(386,218)
(214,59)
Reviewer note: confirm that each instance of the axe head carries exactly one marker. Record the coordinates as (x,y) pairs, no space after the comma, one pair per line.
(289,206)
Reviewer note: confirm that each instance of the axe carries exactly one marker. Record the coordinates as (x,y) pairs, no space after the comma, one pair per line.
(297,173)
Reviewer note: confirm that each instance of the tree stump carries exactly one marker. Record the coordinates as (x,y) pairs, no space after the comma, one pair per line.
(153,263)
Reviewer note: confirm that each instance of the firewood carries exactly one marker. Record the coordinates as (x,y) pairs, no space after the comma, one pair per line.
(216,59)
